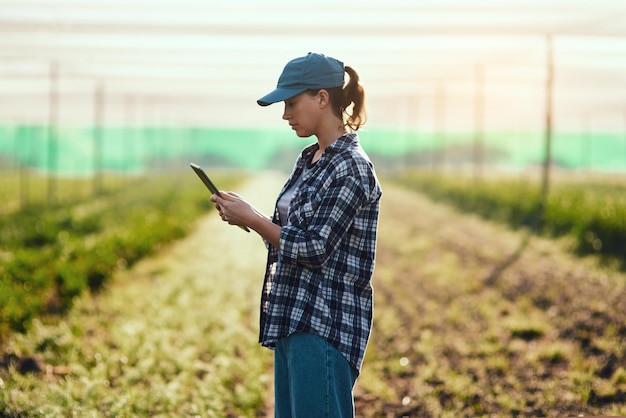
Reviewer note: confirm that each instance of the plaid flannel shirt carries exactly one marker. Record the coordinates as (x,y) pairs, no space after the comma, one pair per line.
(320,280)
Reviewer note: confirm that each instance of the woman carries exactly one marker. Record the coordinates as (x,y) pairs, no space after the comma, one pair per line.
(316,305)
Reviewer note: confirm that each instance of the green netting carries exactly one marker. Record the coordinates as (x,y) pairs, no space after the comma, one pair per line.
(75,150)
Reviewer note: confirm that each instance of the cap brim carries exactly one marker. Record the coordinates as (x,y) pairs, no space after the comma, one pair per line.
(278,95)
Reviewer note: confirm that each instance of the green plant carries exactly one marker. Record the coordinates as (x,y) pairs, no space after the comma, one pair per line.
(593,212)
(52,255)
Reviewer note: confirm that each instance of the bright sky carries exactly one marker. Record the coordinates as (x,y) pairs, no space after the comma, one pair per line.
(206,62)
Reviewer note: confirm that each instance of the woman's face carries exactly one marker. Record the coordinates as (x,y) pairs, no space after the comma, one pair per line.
(303,114)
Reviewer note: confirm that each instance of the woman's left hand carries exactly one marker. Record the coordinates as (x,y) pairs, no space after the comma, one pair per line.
(232,208)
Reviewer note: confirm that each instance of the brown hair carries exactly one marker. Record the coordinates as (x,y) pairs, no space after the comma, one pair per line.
(348,101)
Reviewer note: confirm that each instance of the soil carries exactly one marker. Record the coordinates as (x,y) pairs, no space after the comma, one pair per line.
(471,318)
(488,321)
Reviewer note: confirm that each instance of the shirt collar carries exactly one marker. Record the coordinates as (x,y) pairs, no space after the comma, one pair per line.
(340,144)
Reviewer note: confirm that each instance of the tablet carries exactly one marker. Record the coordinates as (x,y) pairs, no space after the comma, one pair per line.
(205,179)
(209,184)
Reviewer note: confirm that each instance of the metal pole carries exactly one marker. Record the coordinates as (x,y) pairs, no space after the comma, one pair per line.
(548,128)
(129,136)
(98,113)
(587,162)
(416,125)
(24,135)
(439,160)
(400,125)
(53,117)
(479,123)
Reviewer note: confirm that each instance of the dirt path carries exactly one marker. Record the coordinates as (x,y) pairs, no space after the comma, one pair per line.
(471,319)
(174,335)
(210,283)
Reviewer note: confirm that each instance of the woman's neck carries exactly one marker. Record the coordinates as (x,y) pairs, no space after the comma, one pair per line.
(325,140)
(329,134)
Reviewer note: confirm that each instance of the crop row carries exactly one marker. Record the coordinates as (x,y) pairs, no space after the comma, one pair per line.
(592,211)
(49,255)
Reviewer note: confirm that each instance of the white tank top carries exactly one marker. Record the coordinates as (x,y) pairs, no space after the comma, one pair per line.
(285,200)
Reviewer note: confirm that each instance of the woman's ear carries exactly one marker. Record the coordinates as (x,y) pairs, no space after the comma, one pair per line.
(323,97)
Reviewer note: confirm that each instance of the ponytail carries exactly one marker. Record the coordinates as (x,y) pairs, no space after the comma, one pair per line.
(354,95)
(348,101)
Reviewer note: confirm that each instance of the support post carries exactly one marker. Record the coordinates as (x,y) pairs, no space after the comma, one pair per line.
(479,108)
(545,185)
(98,113)
(53,117)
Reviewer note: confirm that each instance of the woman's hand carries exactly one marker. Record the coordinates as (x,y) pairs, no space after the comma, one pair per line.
(233,208)
(236,211)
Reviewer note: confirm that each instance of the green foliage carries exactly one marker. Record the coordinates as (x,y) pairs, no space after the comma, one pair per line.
(175,336)
(48,256)
(592,211)
(546,337)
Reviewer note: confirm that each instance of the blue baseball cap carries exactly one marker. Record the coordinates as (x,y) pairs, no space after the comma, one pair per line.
(313,71)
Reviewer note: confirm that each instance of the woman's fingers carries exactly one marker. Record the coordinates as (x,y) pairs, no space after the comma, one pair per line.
(231,207)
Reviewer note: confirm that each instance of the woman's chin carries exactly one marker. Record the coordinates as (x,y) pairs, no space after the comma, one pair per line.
(302,134)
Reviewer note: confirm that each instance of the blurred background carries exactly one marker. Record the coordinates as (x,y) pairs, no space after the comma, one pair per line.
(511,110)
(95,86)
